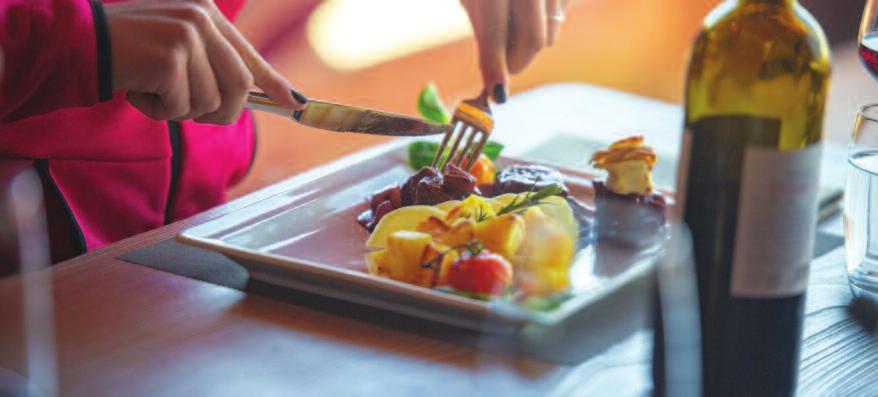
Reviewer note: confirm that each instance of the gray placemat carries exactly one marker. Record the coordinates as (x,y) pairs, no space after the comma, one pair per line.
(184,260)
(563,347)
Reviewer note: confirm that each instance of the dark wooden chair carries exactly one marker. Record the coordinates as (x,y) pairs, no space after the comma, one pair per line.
(839,18)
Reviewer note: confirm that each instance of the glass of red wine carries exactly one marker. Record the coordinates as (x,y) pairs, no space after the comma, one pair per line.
(868,38)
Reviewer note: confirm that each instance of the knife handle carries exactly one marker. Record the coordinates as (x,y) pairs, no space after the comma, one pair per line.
(260,101)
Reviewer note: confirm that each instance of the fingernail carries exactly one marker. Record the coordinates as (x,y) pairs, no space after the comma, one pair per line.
(500,93)
(297,115)
(299,97)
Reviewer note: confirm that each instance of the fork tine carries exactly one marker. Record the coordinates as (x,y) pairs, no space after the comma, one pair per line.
(453,143)
(478,150)
(453,151)
(466,149)
(455,122)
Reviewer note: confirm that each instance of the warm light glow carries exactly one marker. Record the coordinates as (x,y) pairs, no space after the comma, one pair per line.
(355,34)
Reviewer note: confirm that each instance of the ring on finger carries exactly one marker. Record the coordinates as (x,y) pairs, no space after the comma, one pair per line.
(559,17)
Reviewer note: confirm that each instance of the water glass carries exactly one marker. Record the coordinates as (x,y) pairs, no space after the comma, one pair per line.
(861,203)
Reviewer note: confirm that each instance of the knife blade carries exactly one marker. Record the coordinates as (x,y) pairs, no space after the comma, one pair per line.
(347,118)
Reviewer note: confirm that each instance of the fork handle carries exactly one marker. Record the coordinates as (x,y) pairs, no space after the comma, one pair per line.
(260,101)
(484,98)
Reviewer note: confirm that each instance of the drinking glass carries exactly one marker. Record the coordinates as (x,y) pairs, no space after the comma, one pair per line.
(868,37)
(861,203)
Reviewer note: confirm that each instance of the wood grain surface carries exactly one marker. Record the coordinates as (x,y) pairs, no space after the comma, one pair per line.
(126,330)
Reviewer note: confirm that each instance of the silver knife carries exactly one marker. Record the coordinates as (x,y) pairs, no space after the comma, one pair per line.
(345,118)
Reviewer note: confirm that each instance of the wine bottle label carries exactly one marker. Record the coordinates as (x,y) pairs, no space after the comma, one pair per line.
(777,217)
(751,207)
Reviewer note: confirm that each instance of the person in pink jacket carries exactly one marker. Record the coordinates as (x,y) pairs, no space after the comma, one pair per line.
(132,112)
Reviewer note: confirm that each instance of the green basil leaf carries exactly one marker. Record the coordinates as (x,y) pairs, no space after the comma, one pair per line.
(421,154)
(431,107)
(492,149)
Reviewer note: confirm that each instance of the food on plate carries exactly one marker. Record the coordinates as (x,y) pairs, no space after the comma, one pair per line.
(629,164)
(513,232)
(522,178)
(479,271)
(508,233)
(464,245)
(427,187)
(430,187)
(627,208)
(544,258)
(484,171)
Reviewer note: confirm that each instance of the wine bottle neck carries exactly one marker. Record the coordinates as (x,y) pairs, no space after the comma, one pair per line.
(783,3)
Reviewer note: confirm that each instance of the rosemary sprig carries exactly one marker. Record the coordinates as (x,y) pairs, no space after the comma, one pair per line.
(531,199)
(514,203)
(481,215)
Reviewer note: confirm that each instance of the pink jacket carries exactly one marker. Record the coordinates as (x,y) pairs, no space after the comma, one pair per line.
(108,171)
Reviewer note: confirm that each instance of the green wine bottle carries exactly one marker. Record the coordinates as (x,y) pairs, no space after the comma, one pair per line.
(755,97)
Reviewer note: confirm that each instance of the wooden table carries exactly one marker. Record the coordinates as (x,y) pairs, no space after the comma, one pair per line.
(124,329)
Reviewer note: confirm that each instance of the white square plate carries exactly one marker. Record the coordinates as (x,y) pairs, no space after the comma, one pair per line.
(307,238)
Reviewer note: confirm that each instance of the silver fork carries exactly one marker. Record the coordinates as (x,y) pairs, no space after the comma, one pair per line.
(472,122)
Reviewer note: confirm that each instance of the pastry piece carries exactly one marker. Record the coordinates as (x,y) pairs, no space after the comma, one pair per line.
(628,210)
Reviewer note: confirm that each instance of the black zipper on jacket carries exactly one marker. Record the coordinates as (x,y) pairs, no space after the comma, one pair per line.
(104,55)
(176,161)
(76,236)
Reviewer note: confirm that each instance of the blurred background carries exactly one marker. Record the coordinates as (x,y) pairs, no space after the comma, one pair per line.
(380,53)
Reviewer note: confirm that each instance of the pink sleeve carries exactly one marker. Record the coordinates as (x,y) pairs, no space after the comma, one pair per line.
(51,52)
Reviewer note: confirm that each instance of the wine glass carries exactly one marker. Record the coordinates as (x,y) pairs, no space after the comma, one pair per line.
(861,185)
(868,37)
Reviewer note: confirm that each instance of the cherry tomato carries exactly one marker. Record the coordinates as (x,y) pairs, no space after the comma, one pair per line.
(485,273)
(483,170)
